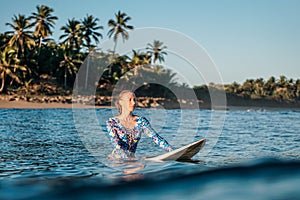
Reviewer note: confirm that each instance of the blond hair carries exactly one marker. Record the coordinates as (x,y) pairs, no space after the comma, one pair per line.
(117,102)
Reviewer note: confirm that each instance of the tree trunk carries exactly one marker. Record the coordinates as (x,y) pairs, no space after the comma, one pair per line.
(40,45)
(39,52)
(2,88)
(87,72)
(65,77)
(113,56)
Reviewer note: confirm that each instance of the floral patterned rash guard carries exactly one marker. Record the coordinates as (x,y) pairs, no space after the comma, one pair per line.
(125,141)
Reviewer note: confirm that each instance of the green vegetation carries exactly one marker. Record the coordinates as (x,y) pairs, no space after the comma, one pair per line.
(31,62)
(30,56)
(119,27)
(281,90)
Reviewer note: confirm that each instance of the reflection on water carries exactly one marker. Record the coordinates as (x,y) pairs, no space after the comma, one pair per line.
(44,156)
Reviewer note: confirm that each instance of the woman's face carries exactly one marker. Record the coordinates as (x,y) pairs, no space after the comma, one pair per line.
(127,101)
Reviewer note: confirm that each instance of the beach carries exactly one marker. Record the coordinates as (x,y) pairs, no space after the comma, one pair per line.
(40,102)
(4,104)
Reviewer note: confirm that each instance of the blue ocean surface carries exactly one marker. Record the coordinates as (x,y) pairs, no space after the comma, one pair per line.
(62,154)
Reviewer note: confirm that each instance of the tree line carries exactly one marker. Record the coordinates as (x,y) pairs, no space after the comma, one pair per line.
(281,89)
(27,51)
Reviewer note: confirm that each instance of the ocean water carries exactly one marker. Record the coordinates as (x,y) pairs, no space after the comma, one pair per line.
(61,154)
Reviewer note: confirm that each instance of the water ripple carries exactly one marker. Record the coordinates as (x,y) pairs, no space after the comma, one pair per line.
(38,145)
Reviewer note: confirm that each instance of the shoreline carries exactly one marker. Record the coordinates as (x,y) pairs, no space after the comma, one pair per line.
(6,104)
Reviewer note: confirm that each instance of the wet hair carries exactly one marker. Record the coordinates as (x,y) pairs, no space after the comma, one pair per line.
(117,102)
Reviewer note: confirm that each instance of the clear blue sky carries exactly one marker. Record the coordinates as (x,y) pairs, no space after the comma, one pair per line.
(245,38)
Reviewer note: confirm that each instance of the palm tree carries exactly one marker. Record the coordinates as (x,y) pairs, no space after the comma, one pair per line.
(89,30)
(270,86)
(282,82)
(232,88)
(156,50)
(48,61)
(119,27)
(297,84)
(21,37)
(72,34)
(3,41)
(44,21)
(69,63)
(248,87)
(135,60)
(140,61)
(9,67)
(166,76)
(259,87)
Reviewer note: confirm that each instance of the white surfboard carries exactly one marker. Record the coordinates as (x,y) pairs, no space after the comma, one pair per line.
(181,154)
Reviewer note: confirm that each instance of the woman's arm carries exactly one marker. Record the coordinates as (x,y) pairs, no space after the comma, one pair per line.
(150,132)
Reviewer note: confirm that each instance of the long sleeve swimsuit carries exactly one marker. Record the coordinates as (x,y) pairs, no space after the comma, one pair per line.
(125,141)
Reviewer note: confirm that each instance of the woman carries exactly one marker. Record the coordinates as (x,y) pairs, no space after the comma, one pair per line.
(125,129)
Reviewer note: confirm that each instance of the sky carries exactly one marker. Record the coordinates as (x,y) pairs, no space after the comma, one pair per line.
(244,38)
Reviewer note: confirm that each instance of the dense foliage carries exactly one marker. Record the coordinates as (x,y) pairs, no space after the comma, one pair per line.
(28,53)
(281,89)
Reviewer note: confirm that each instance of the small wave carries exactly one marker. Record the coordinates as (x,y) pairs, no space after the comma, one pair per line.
(260,179)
